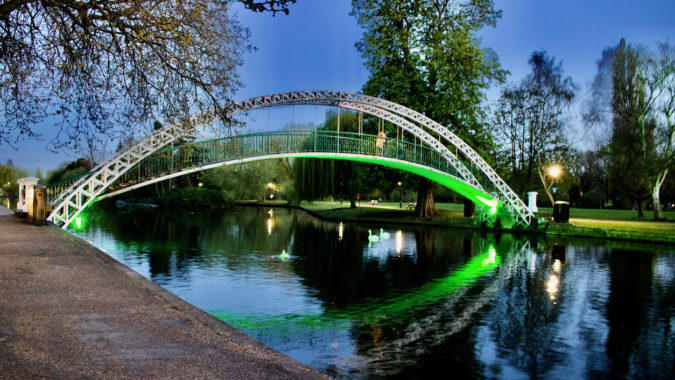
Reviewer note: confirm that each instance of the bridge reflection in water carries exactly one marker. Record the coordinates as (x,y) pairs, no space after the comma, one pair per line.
(422,302)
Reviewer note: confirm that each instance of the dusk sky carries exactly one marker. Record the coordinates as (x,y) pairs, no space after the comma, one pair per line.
(313,48)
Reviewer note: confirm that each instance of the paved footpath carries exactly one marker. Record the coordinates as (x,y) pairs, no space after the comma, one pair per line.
(68,310)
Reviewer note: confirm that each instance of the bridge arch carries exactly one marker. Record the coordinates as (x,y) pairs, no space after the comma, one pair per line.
(74,199)
(350,100)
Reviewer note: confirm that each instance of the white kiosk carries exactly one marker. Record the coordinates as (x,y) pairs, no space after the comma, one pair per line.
(25,194)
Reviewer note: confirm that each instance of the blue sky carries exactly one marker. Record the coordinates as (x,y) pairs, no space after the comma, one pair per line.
(313,49)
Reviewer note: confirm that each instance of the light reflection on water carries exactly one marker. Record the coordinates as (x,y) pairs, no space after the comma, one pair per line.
(414,303)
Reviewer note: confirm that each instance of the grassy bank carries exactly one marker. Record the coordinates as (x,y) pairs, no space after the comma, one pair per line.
(604,224)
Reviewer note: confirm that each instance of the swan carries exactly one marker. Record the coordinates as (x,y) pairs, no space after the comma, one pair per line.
(284,256)
(371,237)
(384,235)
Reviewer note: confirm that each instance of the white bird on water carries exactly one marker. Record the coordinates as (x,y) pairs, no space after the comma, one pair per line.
(372,238)
(284,256)
(384,235)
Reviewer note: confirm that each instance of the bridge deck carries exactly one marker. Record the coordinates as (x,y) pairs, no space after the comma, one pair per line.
(68,310)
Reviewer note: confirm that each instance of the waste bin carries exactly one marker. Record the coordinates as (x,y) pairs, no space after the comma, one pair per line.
(561,212)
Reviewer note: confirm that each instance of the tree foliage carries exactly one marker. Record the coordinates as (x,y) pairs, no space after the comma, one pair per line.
(638,111)
(530,122)
(248,181)
(316,179)
(69,169)
(98,68)
(426,56)
(8,187)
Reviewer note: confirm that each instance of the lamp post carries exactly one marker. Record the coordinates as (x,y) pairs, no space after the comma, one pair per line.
(400,195)
(554,172)
(271,187)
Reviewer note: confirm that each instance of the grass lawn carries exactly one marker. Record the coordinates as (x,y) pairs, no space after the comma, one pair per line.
(664,228)
(589,213)
(452,214)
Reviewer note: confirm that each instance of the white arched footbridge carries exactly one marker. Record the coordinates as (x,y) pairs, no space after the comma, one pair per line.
(433,160)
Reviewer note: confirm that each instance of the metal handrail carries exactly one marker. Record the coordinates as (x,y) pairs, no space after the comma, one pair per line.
(178,158)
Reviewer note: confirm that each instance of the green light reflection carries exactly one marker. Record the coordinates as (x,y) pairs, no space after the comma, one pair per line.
(370,310)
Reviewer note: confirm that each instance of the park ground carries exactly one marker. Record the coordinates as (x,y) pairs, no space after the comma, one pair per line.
(597,223)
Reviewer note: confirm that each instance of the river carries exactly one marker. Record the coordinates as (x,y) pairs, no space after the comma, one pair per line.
(358,300)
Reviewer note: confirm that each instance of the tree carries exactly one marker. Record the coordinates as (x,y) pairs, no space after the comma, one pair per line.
(68,170)
(642,107)
(530,120)
(426,56)
(104,67)
(246,181)
(8,176)
(319,178)
(593,179)
(660,85)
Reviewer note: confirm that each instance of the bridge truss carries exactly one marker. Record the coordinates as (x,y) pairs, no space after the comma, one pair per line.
(72,200)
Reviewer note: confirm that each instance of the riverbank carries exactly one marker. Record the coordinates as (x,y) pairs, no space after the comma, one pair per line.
(68,310)
(586,223)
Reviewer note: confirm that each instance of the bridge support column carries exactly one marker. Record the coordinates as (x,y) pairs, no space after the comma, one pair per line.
(532,201)
(469,208)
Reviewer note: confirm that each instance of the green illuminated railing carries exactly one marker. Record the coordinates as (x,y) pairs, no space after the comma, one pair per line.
(173,159)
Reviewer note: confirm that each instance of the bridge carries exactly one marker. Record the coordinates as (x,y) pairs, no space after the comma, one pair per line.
(154,158)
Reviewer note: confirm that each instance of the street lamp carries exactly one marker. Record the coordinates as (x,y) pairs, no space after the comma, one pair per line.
(554,171)
(271,187)
(400,195)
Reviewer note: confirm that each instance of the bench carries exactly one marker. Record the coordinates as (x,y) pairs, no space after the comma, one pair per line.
(411,205)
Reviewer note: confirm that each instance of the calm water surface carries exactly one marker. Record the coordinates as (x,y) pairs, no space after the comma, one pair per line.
(415,302)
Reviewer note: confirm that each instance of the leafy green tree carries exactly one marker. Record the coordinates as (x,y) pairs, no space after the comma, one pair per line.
(641,106)
(8,176)
(107,67)
(426,56)
(316,178)
(593,179)
(246,181)
(69,169)
(659,89)
(530,121)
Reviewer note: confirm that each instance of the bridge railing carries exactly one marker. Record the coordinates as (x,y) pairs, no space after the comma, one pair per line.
(57,188)
(176,158)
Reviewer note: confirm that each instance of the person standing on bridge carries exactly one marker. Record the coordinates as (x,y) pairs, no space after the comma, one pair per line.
(381,141)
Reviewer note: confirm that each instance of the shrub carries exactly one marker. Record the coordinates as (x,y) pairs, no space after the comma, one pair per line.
(192,198)
(591,199)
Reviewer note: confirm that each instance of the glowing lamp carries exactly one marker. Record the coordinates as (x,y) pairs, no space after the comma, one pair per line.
(554,171)
(492,203)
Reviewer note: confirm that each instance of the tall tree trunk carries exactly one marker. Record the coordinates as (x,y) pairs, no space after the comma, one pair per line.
(426,206)
(656,190)
(641,210)
(547,187)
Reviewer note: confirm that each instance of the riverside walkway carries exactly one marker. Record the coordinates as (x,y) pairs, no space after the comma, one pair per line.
(68,310)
